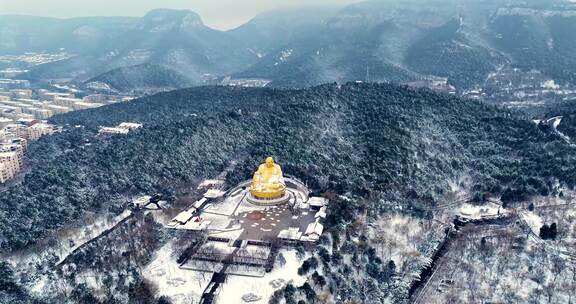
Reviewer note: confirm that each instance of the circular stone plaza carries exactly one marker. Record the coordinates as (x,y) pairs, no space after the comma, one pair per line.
(244,228)
(267,207)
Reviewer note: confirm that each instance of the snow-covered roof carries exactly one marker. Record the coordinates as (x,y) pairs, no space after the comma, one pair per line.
(113,130)
(142,200)
(129,125)
(210,182)
(213,193)
(321,213)
(317,201)
(199,203)
(314,228)
(292,233)
(304,206)
(183,217)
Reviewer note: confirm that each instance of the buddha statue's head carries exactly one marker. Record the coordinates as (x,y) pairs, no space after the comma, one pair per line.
(269,162)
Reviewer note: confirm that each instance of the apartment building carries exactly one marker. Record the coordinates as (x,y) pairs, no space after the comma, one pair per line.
(14,143)
(11,147)
(66,101)
(5,173)
(38,130)
(86,105)
(51,96)
(21,94)
(58,109)
(12,161)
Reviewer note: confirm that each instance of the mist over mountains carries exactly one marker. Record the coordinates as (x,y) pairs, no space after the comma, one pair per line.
(391,41)
(461,192)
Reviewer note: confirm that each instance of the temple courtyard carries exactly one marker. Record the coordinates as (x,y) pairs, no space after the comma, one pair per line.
(231,215)
(240,232)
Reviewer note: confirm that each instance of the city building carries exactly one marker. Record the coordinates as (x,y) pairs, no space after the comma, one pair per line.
(17,130)
(66,101)
(12,161)
(38,130)
(21,94)
(51,96)
(56,109)
(41,113)
(8,84)
(11,147)
(14,144)
(15,141)
(100,98)
(5,173)
(42,104)
(80,105)
(5,121)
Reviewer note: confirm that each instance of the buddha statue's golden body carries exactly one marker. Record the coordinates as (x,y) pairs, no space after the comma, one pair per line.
(268,182)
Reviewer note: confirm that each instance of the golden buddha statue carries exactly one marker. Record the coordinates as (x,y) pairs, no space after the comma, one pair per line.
(268,182)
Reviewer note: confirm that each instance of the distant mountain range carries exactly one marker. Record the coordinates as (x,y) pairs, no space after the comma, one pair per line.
(392,41)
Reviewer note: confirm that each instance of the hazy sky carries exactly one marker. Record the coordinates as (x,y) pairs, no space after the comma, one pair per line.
(222,14)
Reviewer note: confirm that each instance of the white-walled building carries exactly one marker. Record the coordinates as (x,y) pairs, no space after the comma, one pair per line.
(122,128)
(80,105)
(38,130)
(5,173)
(11,161)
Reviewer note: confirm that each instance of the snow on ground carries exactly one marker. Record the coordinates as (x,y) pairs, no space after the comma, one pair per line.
(285,54)
(217,222)
(477,212)
(180,285)
(225,207)
(228,234)
(501,267)
(396,237)
(94,230)
(214,193)
(67,241)
(562,211)
(533,220)
(210,183)
(550,84)
(235,287)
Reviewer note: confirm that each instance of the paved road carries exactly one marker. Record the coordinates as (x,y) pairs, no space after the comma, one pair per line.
(422,296)
(450,204)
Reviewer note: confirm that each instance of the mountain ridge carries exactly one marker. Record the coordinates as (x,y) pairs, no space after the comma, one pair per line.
(401,145)
(387,42)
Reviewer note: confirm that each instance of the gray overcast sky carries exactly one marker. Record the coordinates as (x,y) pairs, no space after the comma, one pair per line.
(221,14)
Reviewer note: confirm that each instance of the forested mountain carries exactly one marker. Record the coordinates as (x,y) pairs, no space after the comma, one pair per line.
(333,54)
(395,41)
(538,39)
(390,41)
(144,76)
(19,34)
(398,146)
(162,40)
(270,30)
(446,51)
